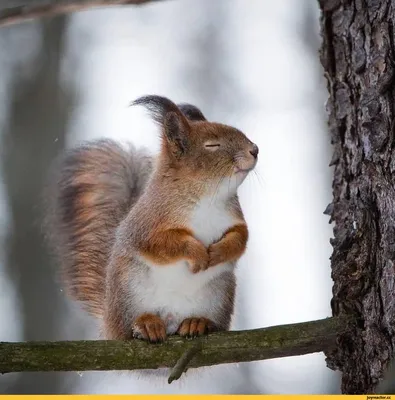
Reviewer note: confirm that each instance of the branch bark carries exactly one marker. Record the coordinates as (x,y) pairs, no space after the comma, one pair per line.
(217,348)
(51,8)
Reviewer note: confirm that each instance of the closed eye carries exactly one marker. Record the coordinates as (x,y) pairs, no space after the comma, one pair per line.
(212,146)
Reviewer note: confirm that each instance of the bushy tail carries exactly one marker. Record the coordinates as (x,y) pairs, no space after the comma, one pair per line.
(92,189)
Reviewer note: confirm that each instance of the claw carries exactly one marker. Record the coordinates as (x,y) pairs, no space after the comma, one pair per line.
(149,327)
(194,327)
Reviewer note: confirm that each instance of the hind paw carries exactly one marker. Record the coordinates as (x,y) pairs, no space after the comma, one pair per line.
(193,327)
(149,327)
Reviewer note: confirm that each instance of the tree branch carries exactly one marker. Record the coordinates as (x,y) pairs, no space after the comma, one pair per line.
(217,348)
(51,8)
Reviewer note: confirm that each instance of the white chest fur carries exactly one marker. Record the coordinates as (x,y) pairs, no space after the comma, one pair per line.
(209,220)
(173,291)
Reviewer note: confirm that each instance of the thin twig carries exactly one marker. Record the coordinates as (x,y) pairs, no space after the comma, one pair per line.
(184,360)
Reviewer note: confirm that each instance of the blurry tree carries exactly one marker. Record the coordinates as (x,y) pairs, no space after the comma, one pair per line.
(209,76)
(35,130)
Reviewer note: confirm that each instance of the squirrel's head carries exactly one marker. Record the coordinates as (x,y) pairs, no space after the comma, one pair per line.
(208,151)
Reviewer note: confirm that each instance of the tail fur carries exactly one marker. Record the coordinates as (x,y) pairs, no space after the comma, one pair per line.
(92,189)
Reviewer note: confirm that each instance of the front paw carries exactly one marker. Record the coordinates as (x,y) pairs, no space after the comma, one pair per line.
(199,264)
(149,327)
(216,255)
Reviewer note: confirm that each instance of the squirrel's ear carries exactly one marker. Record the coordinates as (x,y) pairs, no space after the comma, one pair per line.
(174,129)
(191,112)
(174,123)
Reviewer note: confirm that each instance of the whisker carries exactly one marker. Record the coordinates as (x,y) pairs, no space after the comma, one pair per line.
(259,177)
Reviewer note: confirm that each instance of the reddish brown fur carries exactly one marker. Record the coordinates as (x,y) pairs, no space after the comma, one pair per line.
(192,327)
(197,162)
(149,327)
(231,247)
(91,191)
(117,325)
(166,246)
(106,214)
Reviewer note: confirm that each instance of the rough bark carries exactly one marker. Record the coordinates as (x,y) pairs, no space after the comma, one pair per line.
(219,348)
(358,58)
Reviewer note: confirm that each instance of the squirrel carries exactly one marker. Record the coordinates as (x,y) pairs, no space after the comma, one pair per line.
(149,244)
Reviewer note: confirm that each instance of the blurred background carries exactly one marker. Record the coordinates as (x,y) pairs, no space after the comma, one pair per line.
(254,65)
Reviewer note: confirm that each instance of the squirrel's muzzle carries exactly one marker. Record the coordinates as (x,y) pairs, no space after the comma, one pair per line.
(254,150)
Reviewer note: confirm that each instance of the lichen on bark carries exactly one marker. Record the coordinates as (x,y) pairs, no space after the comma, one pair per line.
(217,348)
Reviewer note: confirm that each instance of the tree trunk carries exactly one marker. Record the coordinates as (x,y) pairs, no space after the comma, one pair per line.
(36,126)
(357,55)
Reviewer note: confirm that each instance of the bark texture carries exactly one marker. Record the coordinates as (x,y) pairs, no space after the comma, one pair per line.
(219,348)
(358,58)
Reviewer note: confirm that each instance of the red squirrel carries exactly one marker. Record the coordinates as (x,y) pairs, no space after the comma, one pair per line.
(150,244)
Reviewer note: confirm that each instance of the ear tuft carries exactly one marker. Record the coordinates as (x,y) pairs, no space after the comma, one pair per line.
(173,122)
(191,112)
(158,106)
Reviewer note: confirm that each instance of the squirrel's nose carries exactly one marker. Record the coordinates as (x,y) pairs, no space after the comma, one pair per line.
(254,151)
